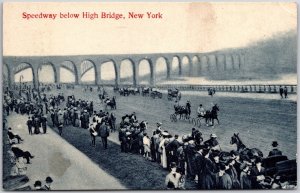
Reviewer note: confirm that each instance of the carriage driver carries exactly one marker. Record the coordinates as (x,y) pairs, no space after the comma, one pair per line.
(201,111)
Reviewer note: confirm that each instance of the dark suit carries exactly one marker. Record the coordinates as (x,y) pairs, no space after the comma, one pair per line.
(254,173)
(29,124)
(275,152)
(104,133)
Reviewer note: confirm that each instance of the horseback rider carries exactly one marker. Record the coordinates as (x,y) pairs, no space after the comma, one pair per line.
(200,111)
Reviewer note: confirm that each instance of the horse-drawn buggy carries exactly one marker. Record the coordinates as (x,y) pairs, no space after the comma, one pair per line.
(180,111)
(146,91)
(279,165)
(174,93)
(134,90)
(155,94)
(110,102)
(124,91)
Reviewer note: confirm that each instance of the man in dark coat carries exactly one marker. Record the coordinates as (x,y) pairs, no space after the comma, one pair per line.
(257,174)
(275,151)
(11,135)
(20,153)
(172,149)
(285,92)
(29,125)
(281,92)
(245,180)
(104,133)
(199,163)
(223,180)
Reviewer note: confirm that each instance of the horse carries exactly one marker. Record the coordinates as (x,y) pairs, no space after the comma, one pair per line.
(182,111)
(242,149)
(214,114)
(111,103)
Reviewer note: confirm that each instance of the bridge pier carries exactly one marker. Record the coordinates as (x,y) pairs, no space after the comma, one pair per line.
(98,74)
(10,76)
(35,79)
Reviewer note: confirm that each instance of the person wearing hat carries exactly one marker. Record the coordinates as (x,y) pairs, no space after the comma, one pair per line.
(162,148)
(171,149)
(38,185)
(188,107)
(275,151)
(212,143)
(257,174)
(223,180)
(104,133)
(245,180)
(29,125)
(48,181)
(44,123)
(146,145)
(173,178)
(233,174)
(158,124)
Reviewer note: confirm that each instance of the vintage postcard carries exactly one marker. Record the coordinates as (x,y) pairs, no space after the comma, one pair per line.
(149,96)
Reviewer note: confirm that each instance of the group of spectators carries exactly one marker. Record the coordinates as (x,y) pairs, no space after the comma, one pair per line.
(202,161)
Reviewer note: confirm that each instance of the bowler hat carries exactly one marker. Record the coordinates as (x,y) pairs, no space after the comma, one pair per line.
(37,183)
(49,179)
(274,144)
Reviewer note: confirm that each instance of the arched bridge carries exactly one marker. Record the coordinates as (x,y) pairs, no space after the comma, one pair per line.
(79,65)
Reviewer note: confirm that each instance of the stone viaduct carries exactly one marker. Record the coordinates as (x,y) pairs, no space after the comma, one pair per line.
(80,64)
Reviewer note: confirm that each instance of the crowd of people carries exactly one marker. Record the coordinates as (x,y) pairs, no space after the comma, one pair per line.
(193,158)
(186,157)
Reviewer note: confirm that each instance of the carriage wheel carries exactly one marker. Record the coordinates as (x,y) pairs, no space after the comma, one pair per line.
(174,117)
(198,122)
(191,120)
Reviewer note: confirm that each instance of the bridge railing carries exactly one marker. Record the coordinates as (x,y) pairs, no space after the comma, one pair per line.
(234,88)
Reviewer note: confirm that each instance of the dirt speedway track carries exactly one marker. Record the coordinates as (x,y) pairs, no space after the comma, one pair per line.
(258,121)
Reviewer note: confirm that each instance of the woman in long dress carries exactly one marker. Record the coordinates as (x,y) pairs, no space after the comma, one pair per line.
(162,147)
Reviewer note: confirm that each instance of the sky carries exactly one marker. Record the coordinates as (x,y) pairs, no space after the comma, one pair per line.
(184,27)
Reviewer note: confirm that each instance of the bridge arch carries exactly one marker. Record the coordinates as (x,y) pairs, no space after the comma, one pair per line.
(28,73)
(176,66)
(109,72)
(68,70)
(42,73)
(88,72)
(146,76)
(186,65)
(162,68)
(128,73)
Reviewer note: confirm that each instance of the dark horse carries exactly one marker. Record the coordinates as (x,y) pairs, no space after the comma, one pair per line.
(182,111)
(111,103)
(242,149)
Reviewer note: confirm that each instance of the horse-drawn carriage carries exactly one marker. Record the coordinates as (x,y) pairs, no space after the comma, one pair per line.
(155,93)
(279,165)
(174,93)
(110,102)
(134,91)
(180,111)
(146,91)
(124,91)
